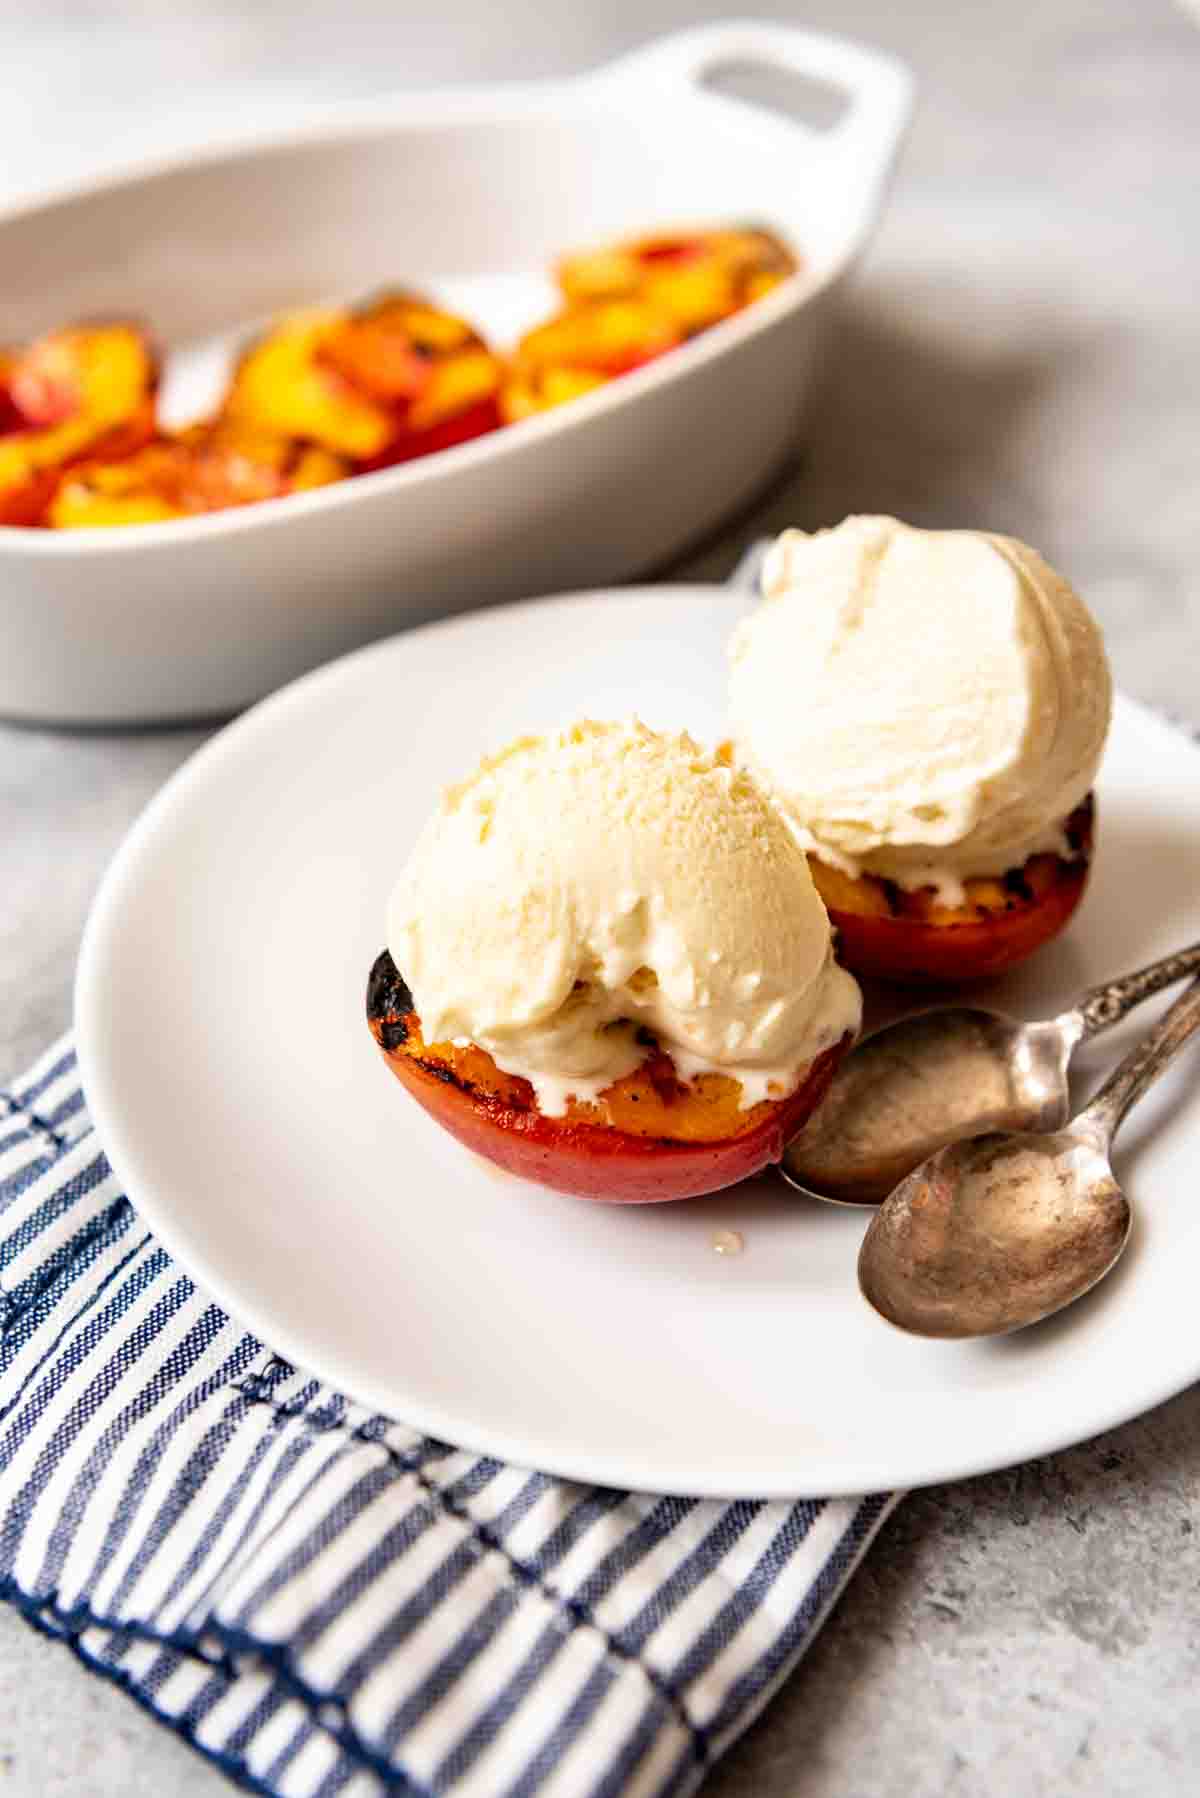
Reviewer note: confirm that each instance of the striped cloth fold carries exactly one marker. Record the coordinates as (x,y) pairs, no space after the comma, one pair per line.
(320,1599)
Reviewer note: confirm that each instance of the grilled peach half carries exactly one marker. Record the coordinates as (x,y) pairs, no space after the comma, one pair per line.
(580,349)
(652,1138)
(910,937)
(631,302)
(206,468)
(395,379)
(696,278)
(84,391)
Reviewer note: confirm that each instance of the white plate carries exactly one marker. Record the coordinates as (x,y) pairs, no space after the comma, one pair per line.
(471,194)
(244,1104)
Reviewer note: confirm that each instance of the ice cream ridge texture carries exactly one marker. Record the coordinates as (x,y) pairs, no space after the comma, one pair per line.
(609,941)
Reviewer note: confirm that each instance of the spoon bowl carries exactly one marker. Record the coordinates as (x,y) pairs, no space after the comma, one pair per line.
(943,1076)
(991,1235)
(994,1234)
(924,1083)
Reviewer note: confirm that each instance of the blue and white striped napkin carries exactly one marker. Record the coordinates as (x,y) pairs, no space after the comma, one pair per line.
(320,1599)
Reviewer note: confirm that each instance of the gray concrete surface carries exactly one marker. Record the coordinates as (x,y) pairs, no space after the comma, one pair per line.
(1022,351)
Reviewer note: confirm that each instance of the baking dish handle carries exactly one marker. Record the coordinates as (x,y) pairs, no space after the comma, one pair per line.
(878,88)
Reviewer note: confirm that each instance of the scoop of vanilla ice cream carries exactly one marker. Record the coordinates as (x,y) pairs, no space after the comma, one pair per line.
(604,878)
(923,705)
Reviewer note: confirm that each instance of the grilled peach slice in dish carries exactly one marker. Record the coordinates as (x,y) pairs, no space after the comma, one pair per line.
(393,380)
(629,303)
(582,348)
(652,1137)
(204,469)
(696,278)
(88,390)
(908,936)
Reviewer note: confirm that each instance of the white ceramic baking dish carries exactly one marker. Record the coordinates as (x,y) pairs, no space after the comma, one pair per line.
(472,195)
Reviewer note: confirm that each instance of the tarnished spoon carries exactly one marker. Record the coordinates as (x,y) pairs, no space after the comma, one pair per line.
(991,1235)
(944,1075)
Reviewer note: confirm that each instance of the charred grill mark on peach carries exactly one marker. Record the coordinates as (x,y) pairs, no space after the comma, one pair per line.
(1016,883)
(389,1002)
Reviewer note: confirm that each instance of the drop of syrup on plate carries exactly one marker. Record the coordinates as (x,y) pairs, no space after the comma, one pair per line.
(727,1242)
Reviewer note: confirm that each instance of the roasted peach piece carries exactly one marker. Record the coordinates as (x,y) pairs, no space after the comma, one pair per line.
(80,392)
(630,303)
(696,277)
(109,493)
(204,469)
(909,937)
(653,1138)
(609,337)
(391,381)
(282,387)
(528,390)
(581,349)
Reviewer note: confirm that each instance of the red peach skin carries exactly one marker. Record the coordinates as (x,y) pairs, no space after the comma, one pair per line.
(594,1161)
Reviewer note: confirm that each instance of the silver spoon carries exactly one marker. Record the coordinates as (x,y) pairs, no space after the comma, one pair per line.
(944,1075)
(991,1235)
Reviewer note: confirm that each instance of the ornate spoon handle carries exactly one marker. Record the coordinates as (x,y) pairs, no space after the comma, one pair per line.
(1142,1066)
(1104,1006)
